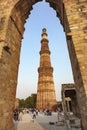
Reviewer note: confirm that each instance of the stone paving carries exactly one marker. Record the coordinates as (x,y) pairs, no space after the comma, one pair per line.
(51,122)
(27,123)
(42,122)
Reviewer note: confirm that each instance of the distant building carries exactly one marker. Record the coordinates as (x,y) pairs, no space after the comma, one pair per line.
(69,99)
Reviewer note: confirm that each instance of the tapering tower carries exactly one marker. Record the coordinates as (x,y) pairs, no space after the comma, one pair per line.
(46,97)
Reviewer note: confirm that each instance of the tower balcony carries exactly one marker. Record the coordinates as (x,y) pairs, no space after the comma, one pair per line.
(45,70)
(45,52)
(45,40)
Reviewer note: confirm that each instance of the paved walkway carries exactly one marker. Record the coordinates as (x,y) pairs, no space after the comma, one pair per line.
(44,122)
(27,123)
(51,122)
(40,123)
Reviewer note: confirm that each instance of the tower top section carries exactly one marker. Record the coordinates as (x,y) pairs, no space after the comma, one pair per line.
(44,34)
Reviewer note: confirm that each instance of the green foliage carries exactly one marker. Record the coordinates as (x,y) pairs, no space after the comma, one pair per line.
(29,102)
(21,103)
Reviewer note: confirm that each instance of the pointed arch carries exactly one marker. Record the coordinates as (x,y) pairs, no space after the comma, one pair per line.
(12,19)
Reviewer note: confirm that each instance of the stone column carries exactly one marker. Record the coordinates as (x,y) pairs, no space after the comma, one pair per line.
(67,99)
(68,107)
(64,104)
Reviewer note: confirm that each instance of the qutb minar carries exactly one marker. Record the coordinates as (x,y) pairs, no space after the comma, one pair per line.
(46,97)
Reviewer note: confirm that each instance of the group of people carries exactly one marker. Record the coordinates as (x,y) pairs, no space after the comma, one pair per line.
(17,115)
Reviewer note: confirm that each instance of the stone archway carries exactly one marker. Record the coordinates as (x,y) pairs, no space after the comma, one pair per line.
(73,17)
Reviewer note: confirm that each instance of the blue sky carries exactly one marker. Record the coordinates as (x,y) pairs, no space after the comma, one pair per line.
(43,16)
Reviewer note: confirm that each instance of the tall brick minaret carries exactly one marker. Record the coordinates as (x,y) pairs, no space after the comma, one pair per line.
(46,97)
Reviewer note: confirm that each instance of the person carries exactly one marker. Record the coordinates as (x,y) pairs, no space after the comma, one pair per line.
(15,115)
(34,114)
(59,113)
(37,112)
(20,116)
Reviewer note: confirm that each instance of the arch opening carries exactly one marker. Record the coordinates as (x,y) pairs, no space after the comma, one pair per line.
(57,45)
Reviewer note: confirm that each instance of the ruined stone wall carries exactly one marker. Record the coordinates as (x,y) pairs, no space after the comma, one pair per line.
(9,61)
(9,71)
(12,19)
(5,77)
(76,12)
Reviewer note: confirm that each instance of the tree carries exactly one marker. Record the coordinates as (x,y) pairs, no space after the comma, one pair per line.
(21,103)
(29,102)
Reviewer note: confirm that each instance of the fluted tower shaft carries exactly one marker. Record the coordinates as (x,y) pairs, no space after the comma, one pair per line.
(46,97)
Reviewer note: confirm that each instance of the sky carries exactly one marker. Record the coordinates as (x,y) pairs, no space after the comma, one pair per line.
(43,16)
